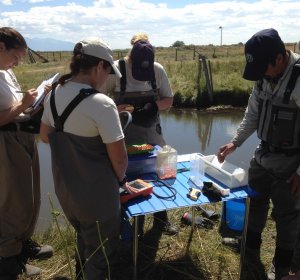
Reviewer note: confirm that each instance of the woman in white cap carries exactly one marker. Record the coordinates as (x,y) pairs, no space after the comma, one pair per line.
(89,156)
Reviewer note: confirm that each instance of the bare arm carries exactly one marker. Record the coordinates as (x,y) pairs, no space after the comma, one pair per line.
(118,156)
(44,131)
(10,114)
(164,103)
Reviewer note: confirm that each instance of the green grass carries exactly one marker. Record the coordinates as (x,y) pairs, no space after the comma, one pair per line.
(190,255)
(226,65)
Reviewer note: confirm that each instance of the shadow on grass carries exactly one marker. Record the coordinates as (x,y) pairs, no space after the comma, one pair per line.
(154,265)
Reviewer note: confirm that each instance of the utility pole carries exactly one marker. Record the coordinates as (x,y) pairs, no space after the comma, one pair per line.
(221,28)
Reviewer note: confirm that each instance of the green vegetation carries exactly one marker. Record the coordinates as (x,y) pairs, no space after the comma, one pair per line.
(190,255)
(183,68)
(182,65)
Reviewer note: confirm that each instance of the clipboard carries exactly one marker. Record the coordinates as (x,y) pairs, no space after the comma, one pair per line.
(40,89)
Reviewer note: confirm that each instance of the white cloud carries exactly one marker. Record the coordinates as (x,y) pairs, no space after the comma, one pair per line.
(116,21)
(38,1)
(6,2)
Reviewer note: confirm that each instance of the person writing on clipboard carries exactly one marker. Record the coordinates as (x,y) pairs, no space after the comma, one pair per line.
(143,90)
(19,171)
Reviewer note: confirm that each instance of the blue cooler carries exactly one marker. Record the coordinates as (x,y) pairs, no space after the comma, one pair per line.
(141,164)
(233,214)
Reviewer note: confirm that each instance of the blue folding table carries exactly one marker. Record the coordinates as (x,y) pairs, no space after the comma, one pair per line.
(151,204)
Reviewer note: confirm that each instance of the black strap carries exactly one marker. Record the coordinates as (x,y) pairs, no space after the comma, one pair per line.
(153,84)
(60,120)
(292,81)
(123,79)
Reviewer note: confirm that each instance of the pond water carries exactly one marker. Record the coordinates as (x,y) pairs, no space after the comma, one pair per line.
(187,130)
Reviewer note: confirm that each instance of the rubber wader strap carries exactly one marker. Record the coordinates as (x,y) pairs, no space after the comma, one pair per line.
(60,120)
(123,78)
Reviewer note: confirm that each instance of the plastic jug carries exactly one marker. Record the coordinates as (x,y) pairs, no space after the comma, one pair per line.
(166,162)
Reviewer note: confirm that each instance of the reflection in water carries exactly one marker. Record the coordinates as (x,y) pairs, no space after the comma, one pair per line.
(188,131)
(191,131)
(47,188)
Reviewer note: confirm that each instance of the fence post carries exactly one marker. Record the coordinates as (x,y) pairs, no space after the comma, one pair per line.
(207,79)
(199,76)
(175,53)
(210,77)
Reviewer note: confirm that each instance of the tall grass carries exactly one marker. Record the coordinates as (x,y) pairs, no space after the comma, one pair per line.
(192,254)
(226,67)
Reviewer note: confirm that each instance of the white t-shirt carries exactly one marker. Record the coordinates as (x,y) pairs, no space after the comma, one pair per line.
(95,115)
(132,85)
(8,87)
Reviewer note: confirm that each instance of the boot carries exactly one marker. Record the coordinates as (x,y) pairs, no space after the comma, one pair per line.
(32,250)
(161,223)
(277,273)
(10,268)
(253,268)
(31,270)
(169,229)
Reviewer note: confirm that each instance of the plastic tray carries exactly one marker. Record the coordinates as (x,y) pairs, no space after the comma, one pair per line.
(227,173)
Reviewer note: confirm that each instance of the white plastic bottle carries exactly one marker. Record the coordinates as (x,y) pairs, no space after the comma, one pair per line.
(166,163)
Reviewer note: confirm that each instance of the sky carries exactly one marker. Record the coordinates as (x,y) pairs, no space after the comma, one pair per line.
(165,21)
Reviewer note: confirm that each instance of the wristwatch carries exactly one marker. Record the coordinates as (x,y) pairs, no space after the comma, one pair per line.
(123,181)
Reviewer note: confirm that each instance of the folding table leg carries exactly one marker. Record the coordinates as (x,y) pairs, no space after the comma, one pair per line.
(243,241)
(135,246)
(193,218)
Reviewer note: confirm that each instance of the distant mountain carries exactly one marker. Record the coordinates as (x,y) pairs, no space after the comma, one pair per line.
(49,45)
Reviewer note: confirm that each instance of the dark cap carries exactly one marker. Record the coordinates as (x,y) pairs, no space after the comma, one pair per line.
(142,58)
(260,50)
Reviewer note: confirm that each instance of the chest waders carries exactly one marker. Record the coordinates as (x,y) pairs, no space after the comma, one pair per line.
(87,189)
(279,118)
(137,99)
(145,128)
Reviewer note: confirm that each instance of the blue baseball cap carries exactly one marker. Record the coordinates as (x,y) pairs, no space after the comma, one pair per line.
(142,59)
(260,50)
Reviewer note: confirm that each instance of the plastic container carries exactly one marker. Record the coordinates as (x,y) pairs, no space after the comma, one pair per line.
(197,169)
(229,174)
(166,163)
(233,214)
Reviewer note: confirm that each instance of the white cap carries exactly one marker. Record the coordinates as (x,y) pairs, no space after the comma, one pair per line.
(100,49)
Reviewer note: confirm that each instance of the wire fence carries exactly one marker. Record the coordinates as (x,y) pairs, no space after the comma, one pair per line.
(185,53)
